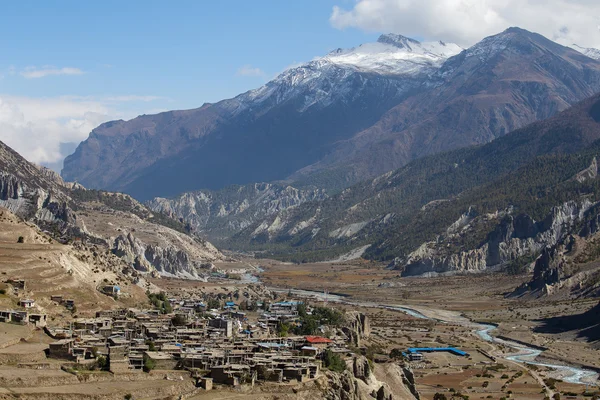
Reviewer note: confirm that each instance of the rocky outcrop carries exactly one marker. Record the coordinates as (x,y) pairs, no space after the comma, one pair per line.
(225,212)
(361,368)
(165,258)
(170,261)
(344,386)
(589,173)
(563,270)
(357,327)
(387,382)
(132,251)
(511,239)
(549,268)
(384,393)
(408,379)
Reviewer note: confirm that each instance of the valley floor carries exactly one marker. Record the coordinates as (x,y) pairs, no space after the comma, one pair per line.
(456,300)
(450,303)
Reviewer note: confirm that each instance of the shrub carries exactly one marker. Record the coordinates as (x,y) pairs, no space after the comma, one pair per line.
(333,361)
(149,364)
(102,363)
(179,320)
(21,239)
(396,353)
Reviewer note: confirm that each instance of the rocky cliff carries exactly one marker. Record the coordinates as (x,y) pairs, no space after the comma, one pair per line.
(508,239)
(568,269)
(361,382)
(356,327)
(146,240)
(222,213)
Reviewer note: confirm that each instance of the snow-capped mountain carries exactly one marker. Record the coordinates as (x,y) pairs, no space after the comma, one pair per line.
(394,55)
(408,62)
(341,118)
(286,124)
(588,51)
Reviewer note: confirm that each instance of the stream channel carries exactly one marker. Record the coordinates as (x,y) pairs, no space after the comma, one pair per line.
(523,354)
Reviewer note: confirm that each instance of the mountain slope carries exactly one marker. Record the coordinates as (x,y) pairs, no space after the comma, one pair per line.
(453,200)
(220,214)
(262,135)
(342,118)
(500,84)
(52,268)
(146,241)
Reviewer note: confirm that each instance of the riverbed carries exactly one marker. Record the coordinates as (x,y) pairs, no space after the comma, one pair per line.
(523,354)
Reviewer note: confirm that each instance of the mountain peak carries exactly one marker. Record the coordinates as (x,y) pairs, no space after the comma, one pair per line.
(515,40)
(399,41)
(515,29)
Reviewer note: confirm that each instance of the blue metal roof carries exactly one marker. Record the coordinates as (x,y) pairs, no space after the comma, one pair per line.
(230,303)
(452,350)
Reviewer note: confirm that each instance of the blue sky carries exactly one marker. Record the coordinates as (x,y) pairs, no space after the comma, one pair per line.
(188,52)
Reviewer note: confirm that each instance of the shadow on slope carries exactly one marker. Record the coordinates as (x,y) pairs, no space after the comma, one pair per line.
(587,324)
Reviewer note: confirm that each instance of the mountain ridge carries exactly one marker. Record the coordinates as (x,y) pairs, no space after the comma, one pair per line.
(328,125)
(500,84)
(401,210)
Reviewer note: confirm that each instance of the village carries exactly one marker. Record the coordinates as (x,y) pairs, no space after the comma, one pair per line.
(228,336)
(217,339)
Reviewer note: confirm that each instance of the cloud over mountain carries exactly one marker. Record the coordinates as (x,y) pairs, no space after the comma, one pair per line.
(467,21)
(36,127)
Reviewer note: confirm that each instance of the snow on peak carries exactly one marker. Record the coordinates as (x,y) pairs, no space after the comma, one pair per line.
(590,52)
(394,54)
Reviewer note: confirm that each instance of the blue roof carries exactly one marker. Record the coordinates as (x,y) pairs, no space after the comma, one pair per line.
(230,303)
(452,350)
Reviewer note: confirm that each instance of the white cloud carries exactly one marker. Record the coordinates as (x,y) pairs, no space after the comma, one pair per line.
(249,70)
(465,22)
(40,72)
(127,98)
(35,127)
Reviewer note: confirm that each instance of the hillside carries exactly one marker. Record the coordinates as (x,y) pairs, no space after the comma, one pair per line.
(74,271)
(225,212)
(69,213)
(342,118)
(519,193)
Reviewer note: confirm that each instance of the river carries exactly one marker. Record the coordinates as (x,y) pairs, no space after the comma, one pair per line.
(523,354)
